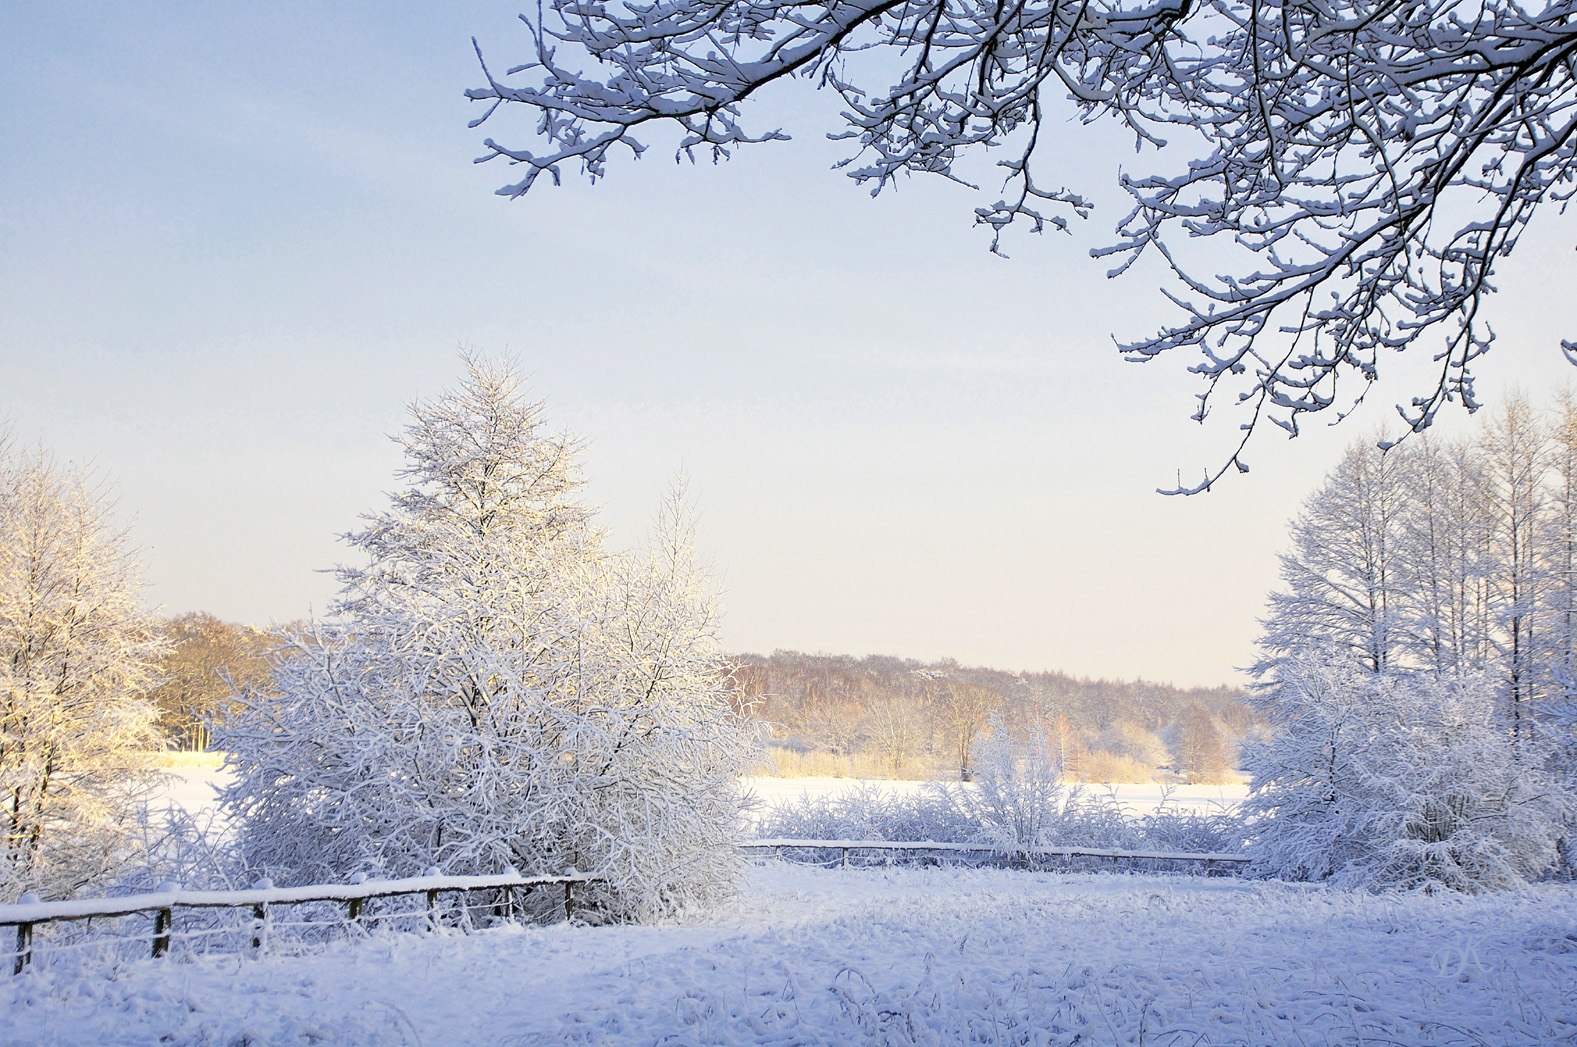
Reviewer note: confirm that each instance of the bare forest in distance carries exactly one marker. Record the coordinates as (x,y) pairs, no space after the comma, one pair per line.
(838,716)
(883,717)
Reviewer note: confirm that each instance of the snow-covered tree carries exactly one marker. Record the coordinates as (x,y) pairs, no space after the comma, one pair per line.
(495,689)
(1560,544)
(77,654)
(1342,175)
(1202,752)
(1446,542)
(1402,780)
(1514,453)
(1347,582)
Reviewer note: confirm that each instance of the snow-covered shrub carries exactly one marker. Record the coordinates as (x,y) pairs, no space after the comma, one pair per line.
(1382,780)
(1016,798)
(1018,801)
(869,811)
(495,689)
(947,813)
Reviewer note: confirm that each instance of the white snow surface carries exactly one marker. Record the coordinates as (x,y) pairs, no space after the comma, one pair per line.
(884,956)
(194,788)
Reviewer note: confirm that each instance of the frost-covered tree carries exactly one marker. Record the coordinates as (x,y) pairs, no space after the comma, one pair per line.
(1347,582)
(495,689)
(1514,453)
(1335,179)
(1560,543)
(1446,540)
(1402,780)
(77,654)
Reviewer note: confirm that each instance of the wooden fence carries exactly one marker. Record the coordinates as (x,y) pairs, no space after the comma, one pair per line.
(29,912)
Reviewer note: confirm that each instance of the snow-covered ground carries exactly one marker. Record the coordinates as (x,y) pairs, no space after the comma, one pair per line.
(886,956)
(193,789)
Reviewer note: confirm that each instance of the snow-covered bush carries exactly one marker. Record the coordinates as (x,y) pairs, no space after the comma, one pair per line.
(1382,780)
(1018,801)
(77,653)
(1018,790)
(495,689)
(945,812)
(869,811)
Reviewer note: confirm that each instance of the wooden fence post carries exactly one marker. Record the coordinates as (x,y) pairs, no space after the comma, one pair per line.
(162,919)
(24,947)
(161,932)
(354,905)
(432,899)
(569,900)
(260,918)
(24,937)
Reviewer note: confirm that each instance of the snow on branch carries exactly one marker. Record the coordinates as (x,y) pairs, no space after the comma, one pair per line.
(1347,173)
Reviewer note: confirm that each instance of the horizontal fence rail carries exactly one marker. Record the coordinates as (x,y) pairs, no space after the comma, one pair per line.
(934,847)
(27,914)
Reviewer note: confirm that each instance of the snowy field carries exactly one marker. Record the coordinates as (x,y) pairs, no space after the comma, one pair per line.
(886,956)
(192,788)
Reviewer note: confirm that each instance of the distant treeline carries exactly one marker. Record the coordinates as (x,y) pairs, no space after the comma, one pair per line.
(900,717)
(822,714)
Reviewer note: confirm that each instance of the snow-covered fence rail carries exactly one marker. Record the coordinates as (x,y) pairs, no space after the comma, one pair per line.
(29,913)
(933,848)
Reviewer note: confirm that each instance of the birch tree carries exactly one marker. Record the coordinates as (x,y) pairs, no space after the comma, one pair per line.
(77,654)
(1334,180)
(495,689)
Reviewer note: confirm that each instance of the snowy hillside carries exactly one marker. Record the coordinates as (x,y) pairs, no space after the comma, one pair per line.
(897,956)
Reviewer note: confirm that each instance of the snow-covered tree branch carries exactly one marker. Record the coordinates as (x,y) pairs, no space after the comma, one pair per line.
(1342,175)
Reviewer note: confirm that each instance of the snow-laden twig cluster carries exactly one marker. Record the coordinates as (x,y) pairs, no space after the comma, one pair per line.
(496,690)
(1352,169)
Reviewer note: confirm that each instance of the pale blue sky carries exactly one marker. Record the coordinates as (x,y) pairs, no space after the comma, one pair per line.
(235,240)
